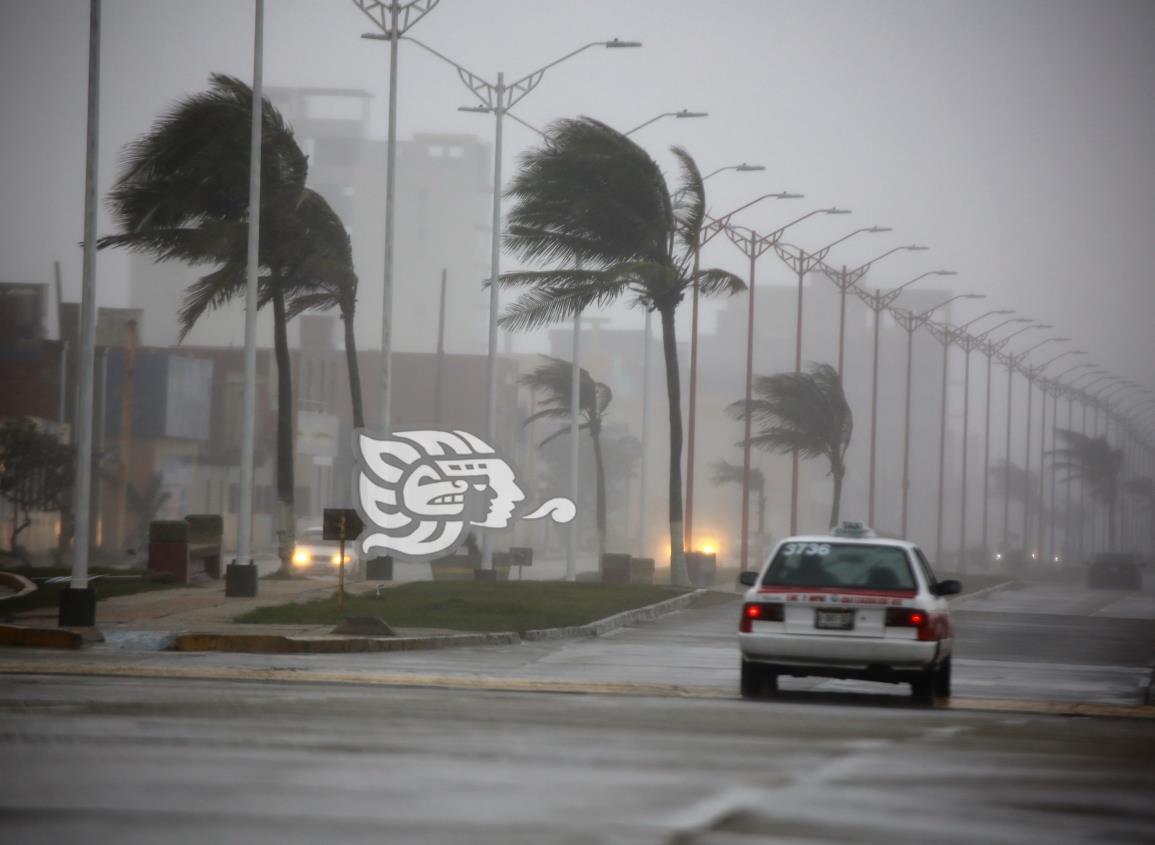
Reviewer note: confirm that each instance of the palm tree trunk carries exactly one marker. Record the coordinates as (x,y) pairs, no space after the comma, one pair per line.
(762,509)
(1111,525)
(836,505)
(678,574)
(286,529)
(354,373)
(599,468)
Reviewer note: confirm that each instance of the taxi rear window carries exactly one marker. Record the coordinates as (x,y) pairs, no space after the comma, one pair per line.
(840,565)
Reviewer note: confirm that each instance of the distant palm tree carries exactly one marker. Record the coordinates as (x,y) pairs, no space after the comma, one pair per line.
(807,412)
(553,380)
(728,473)
(183,195)
(596,206)
(145,503)
(1092,461)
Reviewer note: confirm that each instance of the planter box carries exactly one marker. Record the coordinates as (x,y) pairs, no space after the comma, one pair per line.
(641,570)
(615,568)
(701,568)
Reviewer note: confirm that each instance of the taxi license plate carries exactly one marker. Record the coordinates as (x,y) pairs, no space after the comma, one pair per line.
(838,620)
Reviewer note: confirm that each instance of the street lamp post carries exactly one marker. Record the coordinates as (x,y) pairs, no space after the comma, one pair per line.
(684,113)
(709,230)
(877,301)
(753,246)
(78,602)
(1061,387)
(394,19)
(989,349)
(497,99)
(845,280)
(911,323)
(1086,399)
(1044,386)
(802,263)
(967,343)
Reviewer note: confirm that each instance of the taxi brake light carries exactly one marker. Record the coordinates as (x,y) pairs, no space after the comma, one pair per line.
(761,612)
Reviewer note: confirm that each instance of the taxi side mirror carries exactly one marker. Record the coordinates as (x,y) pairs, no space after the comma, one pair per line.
(748,578)
(948,588)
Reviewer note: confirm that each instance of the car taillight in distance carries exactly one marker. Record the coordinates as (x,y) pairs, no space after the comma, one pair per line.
(761,612)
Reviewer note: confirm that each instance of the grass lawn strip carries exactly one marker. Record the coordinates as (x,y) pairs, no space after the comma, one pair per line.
(473,606)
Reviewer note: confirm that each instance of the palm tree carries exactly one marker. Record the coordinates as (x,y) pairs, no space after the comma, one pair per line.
(183,195)
(145,503)
(806,412)
(595,206)
(1093,462)
(554,381)
(728,473)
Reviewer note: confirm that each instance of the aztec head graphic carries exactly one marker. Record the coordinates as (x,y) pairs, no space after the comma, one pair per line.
(419,491)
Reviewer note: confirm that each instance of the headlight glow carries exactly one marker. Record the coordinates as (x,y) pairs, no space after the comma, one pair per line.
(301,557)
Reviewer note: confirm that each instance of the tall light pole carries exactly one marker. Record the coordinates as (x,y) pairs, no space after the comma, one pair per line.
(643,537)
(1043,388)
(78,602)
(753,246)
(878,301)
(394,19)
(710,228)
(252,270)
(1067,389)
(911,323)
(845,279)
(1087,400)
(497,99)
(989,349)
(967,343)
(803,262)
(1030,374)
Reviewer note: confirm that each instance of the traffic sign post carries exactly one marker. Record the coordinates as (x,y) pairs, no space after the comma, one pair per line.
(341,524)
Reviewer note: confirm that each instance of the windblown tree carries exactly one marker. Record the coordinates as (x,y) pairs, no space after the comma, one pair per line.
(594,209)
(553,382)
(728,473)
(183,195)
(807,412)
(36,474)
(1092,462)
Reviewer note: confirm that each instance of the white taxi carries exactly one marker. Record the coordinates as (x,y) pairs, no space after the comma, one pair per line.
(847,604)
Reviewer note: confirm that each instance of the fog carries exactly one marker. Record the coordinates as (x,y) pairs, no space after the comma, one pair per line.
(1016,140)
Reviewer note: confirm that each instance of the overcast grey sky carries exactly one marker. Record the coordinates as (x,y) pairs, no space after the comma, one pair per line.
(1014,137)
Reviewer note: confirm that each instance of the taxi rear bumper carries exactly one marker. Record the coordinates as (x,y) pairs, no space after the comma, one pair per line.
(848,657)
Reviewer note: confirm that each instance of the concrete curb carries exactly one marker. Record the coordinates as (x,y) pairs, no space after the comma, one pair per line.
(612,623)
(983,593)
(277,644)
(60,638)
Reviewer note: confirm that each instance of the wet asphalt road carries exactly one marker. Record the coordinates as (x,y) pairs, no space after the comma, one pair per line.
(662,750)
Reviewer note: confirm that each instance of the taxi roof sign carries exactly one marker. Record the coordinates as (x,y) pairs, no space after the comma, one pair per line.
(851,529)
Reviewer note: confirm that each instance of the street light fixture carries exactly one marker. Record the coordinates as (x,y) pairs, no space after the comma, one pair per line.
(877,301)
(498,98)
(681,115)
(845,279)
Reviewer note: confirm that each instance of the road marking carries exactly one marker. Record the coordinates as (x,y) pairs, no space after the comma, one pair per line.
(492,684)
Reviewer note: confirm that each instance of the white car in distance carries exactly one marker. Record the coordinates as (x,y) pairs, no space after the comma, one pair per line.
(847,604)
(315,555)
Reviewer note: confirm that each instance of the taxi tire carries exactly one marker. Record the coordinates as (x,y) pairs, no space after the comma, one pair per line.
(942,680)
(756,680)
(922,688)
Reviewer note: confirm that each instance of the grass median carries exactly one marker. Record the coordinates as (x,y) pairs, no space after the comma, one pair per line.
(473,606)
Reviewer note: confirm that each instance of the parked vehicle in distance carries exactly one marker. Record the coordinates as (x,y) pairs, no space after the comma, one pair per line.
(847,604)
(315,555)
(1117,570)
